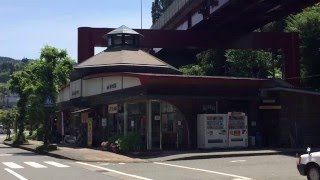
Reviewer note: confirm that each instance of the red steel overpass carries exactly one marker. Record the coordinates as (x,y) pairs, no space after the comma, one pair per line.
(189,26)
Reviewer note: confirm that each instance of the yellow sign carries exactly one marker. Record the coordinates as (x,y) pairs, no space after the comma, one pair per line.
(89,132)
(84,117)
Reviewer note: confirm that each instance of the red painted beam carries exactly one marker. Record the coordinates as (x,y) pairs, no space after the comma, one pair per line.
(88,38)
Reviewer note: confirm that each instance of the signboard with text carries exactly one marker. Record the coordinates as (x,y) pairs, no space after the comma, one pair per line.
(75,89)
(112,108)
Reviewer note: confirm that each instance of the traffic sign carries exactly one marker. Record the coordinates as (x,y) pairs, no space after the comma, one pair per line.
(48,102)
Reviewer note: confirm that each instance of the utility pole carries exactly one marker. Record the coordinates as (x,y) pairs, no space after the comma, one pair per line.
(141,12)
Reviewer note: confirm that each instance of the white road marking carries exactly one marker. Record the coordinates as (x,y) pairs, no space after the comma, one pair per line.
(15,174)
(56,164)
(122,163)
(204,170)
(35,165)
(114,171)
(12,165)
(5,155)
(104,164)
(238,161)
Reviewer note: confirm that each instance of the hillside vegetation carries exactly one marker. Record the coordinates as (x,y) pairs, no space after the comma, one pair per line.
(9,65)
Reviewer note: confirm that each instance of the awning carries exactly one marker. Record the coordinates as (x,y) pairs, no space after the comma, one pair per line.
(81,110)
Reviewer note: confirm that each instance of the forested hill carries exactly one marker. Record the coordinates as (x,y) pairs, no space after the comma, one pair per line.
(10,65)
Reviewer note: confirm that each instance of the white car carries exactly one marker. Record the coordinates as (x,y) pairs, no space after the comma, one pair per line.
(309,165)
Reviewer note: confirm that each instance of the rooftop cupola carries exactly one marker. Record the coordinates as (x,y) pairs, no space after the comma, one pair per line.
(123,36)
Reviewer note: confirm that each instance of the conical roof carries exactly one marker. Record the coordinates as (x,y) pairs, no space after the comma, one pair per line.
(123,30)
(124,59)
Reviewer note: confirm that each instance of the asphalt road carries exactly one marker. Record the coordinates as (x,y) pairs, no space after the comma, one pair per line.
(18,164)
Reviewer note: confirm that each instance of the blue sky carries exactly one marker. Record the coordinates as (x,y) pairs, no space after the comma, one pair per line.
(27,25)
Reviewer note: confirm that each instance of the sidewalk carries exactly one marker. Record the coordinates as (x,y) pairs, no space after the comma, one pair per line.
(94,155)
(80,154)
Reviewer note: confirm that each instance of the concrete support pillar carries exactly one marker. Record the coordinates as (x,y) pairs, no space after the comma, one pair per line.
(125,119)
(149,122)
(85,44)
(62,124)
(292,56)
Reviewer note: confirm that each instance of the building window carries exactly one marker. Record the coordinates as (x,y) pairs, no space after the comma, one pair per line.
(117,39)
(136,118)
(128,39)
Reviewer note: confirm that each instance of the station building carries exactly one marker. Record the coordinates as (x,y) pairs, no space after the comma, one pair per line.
(124,90)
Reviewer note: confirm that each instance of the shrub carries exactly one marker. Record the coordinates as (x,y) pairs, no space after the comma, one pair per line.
(50,147)
(37,134)
(20,140)
(8,139)
(122,143)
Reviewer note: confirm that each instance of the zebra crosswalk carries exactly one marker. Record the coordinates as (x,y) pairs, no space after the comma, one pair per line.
(45,164)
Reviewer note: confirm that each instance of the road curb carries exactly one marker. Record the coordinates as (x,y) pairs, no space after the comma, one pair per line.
(65,157)
(229,155)
(41,153)
(195,157)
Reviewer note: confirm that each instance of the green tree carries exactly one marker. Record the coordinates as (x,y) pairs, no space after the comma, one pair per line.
(8,66)
(306,24)
(35,112)
(209,63)
(49,74)
(193,69)
(40,79)
(156,11)
(248,63)
(20,84)
(7,118)
(165,4)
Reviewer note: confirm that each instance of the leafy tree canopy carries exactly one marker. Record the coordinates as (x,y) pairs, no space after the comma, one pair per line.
(306,24)
(9,65)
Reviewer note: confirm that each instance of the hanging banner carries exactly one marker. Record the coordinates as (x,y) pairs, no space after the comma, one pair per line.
(89,132)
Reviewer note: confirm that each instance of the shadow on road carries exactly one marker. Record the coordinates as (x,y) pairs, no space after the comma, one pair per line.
(102,171)
(24,154)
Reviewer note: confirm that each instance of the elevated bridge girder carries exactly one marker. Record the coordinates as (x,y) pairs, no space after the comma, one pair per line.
(88,38)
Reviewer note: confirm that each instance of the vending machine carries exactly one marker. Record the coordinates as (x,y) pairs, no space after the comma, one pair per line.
(237,129)
(212,130)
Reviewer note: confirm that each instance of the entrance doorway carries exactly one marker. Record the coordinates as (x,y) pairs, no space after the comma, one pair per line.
(269,126)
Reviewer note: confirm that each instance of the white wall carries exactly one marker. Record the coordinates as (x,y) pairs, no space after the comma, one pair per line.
(183,26)
(112,83)
(96,86)
(91,87)
(75,89)
(66,94)
(130,82)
